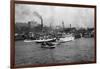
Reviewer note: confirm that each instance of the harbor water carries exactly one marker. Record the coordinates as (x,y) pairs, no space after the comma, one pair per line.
(78,50)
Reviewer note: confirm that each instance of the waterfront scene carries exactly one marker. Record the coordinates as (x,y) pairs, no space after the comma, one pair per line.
(53,35)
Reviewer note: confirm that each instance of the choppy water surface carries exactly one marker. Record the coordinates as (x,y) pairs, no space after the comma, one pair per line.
(78,50)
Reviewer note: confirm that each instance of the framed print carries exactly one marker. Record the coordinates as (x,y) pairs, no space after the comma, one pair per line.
(50,34)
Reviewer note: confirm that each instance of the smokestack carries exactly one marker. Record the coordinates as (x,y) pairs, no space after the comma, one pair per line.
(63,24)
(29,26)
(40,17)
(70,25)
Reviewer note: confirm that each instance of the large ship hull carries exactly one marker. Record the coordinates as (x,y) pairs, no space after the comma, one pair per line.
(41,41)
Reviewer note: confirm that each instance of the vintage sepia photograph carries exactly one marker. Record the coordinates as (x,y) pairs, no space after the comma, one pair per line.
(53,34)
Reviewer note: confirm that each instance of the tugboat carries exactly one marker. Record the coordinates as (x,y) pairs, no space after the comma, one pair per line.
(47,45)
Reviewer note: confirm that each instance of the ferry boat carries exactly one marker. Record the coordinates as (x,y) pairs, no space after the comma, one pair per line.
(45,40)
(41,40)
(66,38)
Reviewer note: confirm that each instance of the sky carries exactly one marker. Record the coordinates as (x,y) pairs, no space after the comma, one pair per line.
(55,15)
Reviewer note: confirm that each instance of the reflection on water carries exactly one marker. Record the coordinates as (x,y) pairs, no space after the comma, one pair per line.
(75,51)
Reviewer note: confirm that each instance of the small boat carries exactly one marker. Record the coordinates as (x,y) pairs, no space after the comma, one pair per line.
(48,45)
